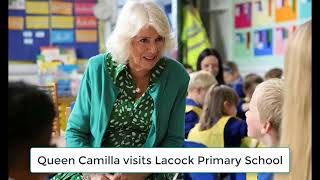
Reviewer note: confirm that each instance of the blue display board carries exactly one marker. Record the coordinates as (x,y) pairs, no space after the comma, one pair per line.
(24,45)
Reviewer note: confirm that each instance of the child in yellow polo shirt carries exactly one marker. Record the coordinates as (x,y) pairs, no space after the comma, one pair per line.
(199,83)
(218,125)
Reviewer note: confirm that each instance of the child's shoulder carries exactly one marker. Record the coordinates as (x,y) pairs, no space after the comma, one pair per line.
(236,124)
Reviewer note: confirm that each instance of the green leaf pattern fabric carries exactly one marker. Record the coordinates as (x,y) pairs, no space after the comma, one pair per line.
(130,120)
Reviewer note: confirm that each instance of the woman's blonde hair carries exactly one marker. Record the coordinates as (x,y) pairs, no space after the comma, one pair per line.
(213,106)
(134,16)
(270,101)
(201,79)
(296,123)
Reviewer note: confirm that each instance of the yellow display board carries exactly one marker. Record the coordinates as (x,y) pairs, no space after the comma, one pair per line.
(86,36)
(63,8)
(37,22)
(62,22)
(37,7)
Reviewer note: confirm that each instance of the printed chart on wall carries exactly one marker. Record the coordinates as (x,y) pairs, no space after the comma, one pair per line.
(262,13)
(286,10)
(66,23)
(282,34)
(305,9)
(263,42)
(243,44)
(243,15)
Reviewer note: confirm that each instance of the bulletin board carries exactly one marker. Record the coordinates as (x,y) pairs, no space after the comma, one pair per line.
(64,23)
(261,30)
(263,42)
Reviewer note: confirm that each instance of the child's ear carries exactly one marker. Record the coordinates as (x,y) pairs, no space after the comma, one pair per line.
(266,127)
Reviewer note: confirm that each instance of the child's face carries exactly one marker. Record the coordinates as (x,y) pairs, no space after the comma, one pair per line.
(227,76)
(253,118)
(230,109)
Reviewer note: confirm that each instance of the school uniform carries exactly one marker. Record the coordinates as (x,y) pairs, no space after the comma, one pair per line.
(193,113)
(227,132)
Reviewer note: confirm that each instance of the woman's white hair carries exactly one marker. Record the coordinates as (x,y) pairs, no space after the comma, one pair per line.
(135,15)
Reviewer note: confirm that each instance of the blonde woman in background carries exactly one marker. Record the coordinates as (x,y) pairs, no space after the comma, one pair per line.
(296,124)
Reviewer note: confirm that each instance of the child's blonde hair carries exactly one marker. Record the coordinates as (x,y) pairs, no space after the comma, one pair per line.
(296,123)
(201,79)
(213,107)
(269,101)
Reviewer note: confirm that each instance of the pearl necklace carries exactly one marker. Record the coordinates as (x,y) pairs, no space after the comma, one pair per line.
(138,90)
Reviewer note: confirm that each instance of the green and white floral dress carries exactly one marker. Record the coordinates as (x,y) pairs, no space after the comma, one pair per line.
(130,120)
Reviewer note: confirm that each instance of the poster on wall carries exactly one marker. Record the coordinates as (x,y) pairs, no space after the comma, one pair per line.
(242,45)
(15,23)
(282,34)
(37,22)
(243,15)
(305,9)
(86,22)
(286,10)
(263,42)
(62,36)
(83,8)
(62,22)
(37,7)
(262,12)
(61,8)
(86,36)
(16,4)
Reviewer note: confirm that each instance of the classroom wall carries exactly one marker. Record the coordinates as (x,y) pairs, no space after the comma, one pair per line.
(224,29)
(217,18)
(27,33)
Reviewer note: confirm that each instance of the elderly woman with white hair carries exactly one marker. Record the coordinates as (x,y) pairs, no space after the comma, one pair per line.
(132,95)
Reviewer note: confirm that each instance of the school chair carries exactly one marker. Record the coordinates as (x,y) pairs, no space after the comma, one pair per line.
(52,91)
